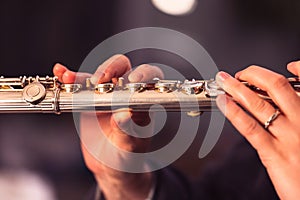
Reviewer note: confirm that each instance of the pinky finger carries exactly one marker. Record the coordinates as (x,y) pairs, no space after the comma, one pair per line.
(258,137)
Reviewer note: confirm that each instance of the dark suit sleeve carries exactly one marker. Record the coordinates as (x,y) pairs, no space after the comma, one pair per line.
(241,176)
(171,184)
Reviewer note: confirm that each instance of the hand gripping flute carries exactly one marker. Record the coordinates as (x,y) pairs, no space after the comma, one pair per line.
(47,95)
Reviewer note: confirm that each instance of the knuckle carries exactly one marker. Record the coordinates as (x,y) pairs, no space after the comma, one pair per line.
(252,68)
(108,72)
(251,127)
(124,59)
(144,66)
(280,82)
(119,56)
(235,113)
(259,106)
(238,89)
(158,71)
(238,117)
(150,71)
(238,86)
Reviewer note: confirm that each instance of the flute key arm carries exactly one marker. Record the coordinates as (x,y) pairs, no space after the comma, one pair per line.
(47,95)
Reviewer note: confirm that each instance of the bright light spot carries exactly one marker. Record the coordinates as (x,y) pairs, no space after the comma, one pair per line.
(175,7)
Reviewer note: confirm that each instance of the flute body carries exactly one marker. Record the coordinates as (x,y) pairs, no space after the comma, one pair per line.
(47,95)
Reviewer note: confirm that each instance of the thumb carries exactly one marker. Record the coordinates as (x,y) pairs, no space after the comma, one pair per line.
(123,134)
(121,123)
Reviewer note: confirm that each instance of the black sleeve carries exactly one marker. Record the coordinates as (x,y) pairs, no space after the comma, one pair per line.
(241,176)
(171,184)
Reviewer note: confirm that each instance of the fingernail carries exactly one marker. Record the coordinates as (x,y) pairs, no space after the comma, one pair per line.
(135,77)
(221,77)
(96,77)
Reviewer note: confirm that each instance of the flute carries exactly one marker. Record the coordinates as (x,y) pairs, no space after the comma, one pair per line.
(47,95)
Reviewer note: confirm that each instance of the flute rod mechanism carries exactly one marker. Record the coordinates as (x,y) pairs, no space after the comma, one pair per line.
(47,95)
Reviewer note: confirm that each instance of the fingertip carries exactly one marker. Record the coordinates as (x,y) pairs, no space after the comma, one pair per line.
(58,70)
(68,77)
(221,77)
(145,72)
(97,78)
(94,80)
(123,59)
(60,65)
(159,72)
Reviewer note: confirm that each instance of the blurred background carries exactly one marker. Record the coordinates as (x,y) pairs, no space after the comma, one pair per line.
(36,34)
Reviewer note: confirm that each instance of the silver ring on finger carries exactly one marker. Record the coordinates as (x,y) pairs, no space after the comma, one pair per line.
(272,118)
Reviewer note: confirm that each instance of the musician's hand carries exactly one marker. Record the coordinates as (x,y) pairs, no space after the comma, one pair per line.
(278,145)
(115,184)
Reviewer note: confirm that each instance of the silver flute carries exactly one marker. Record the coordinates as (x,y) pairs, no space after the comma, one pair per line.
(47,95)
